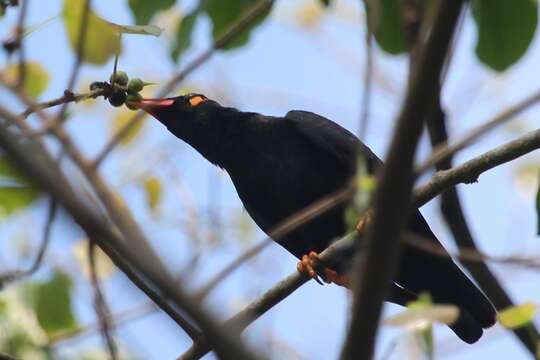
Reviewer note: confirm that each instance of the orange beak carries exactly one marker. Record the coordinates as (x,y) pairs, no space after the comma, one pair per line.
(150,104)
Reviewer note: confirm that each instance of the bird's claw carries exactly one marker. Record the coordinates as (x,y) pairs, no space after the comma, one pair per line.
(364,221)
(308,264)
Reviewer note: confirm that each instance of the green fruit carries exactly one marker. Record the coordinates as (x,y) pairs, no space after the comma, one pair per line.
(121,78)
(117,98)
(131,100)
(135,85)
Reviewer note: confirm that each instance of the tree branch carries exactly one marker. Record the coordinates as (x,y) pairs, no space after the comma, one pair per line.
(19,31)
(36,163)
(139,246)
(375,270)
(81,42)
(444,151)
(15,275)
(469,171)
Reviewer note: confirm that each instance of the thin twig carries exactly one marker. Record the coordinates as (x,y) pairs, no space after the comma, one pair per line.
(100,305)
(66,98)
(17,275)
(115,67)
(81,42)
(134,313)
(469,171)
(470,255)
(367,86)
(444,150)
(19,31)
(230,34)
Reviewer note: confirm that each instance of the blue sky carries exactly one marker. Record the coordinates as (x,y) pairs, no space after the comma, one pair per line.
(286,66)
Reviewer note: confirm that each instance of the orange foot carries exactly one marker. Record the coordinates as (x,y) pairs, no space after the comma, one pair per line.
(311,261)
(365,220)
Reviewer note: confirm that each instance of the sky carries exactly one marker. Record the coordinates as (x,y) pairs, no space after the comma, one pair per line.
(288,64)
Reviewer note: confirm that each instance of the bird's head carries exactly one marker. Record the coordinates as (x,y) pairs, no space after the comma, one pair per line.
(194,118)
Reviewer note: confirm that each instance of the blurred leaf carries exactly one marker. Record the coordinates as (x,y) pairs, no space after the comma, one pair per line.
(36,78)
(365,185)
(152,187)
(325,2)
(308,15)
(138,29)
(505,30)
(52,304)
(122,118)
(16,190)
(104,266)
(182,40)
(386,23)
(538,207)
(517,316)
(224,13)
(3,307)
(102,40)
(422,313)
(243,226)
(143,10)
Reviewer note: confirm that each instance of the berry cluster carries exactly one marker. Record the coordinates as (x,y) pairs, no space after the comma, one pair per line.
(125,91)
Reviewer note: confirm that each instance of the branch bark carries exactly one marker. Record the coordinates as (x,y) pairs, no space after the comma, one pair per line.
(39,165)
(376,267)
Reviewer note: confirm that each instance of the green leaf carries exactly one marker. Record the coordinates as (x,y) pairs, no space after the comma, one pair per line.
(144,10)
(36,78)
(182,40)
(517,316)
(538,206)
(102,40)
(224,13)
(52,304)
(152,187)
(3,307)
(386,23)
(505,30)
(16,190)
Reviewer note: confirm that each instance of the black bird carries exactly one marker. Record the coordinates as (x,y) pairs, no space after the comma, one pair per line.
(280,165)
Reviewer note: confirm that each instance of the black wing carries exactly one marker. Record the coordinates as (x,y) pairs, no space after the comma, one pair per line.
(332,138)
(419,271)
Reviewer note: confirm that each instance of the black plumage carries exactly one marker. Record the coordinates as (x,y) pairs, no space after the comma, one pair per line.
(279,165)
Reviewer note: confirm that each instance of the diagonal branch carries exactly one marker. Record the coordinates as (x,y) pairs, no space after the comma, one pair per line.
(16,275)
(35,161)
(100,305)
(443,151)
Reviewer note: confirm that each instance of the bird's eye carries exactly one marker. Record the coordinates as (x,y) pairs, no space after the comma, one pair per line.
(196,100)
